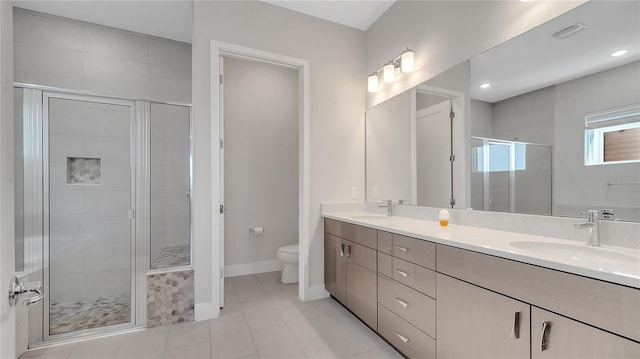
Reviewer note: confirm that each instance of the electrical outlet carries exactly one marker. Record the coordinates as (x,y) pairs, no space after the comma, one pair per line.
(354,192)
(376,193)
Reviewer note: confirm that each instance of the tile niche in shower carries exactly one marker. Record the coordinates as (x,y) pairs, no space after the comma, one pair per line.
(84,170)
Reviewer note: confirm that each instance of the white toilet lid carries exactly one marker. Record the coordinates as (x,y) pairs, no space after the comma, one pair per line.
(294,248)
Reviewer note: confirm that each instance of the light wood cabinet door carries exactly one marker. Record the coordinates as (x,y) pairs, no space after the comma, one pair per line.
(476,323)
(554,336)
(335,267)
(362,287)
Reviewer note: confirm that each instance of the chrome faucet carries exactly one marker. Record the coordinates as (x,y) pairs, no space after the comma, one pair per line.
(388,206)
(592,227)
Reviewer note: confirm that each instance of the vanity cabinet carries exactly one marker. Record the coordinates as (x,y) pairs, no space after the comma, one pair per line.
(555,336)
(429,300)
(476,323)
(351,268)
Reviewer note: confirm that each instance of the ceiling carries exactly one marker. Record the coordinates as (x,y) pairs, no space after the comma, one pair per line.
(173,19)
(535,59)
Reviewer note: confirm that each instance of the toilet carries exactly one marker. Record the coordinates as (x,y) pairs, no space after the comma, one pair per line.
(289,257)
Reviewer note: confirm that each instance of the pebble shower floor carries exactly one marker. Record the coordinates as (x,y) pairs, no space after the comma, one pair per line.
(72,316)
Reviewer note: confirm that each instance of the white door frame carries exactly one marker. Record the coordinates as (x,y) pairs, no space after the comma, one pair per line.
(217,250)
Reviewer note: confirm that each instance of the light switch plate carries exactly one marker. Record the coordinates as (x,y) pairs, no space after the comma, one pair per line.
(354,192)
(376,193)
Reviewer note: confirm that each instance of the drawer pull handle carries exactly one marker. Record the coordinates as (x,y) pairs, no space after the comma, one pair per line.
(402,273)
(515,330)
(401,337)
(404,249)
(543,337)
(402,302)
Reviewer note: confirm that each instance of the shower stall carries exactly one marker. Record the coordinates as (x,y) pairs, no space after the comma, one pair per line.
(510,176)
(103,188)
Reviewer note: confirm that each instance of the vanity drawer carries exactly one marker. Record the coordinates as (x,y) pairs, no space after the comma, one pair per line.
(405,337)
(419,278)
(410,249)
(359,234)
(411,305)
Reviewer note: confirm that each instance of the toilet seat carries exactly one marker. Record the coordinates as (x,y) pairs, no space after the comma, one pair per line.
(291,249)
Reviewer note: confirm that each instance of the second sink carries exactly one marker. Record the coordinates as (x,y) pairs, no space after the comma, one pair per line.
(577,252)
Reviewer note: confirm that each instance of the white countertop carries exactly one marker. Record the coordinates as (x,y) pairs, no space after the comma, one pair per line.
(594,262)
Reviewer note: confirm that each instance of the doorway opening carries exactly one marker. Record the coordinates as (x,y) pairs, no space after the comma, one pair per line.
(298,149)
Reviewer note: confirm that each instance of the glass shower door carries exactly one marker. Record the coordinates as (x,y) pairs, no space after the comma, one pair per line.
(89,225)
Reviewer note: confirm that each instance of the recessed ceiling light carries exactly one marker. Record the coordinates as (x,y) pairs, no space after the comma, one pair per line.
(524,0)
(485,85)
(619,53)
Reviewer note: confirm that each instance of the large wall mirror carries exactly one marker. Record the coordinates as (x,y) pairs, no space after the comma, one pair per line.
(546,123)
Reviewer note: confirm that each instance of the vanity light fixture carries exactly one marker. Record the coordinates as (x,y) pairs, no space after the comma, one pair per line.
(388,73)
(372,82)
(404,62)
(485,85)
(619,53)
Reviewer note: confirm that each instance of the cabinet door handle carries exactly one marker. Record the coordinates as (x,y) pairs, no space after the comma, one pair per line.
(404,249)
(402,273)
(348,251)
(341,249)
(544,336)
(402,302)
(401,337)
(515,330)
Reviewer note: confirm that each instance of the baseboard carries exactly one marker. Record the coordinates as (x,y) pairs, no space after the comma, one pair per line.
(204,311)
(317,292)
(252,268)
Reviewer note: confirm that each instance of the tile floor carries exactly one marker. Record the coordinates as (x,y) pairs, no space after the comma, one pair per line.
(262,318)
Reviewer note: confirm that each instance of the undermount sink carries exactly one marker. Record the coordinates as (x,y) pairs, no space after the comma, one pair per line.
(371,216)
(576,252)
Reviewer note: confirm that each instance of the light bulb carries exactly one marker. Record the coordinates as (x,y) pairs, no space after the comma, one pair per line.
(388,72)
(406,61)
(372,82)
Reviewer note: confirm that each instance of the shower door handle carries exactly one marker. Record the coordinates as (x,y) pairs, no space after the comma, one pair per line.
(16,288)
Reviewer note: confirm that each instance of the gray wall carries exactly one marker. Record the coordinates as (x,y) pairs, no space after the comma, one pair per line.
(481,117)
(261,161)
(526,118)
(59,52)
(576,186)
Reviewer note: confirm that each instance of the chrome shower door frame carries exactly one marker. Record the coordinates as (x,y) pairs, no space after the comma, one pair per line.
(135,277)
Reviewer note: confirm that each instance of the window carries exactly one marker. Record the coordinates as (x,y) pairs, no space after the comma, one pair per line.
(613,136)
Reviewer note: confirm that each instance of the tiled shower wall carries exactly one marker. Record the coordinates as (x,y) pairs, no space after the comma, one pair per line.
(90,232)
(59,52)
